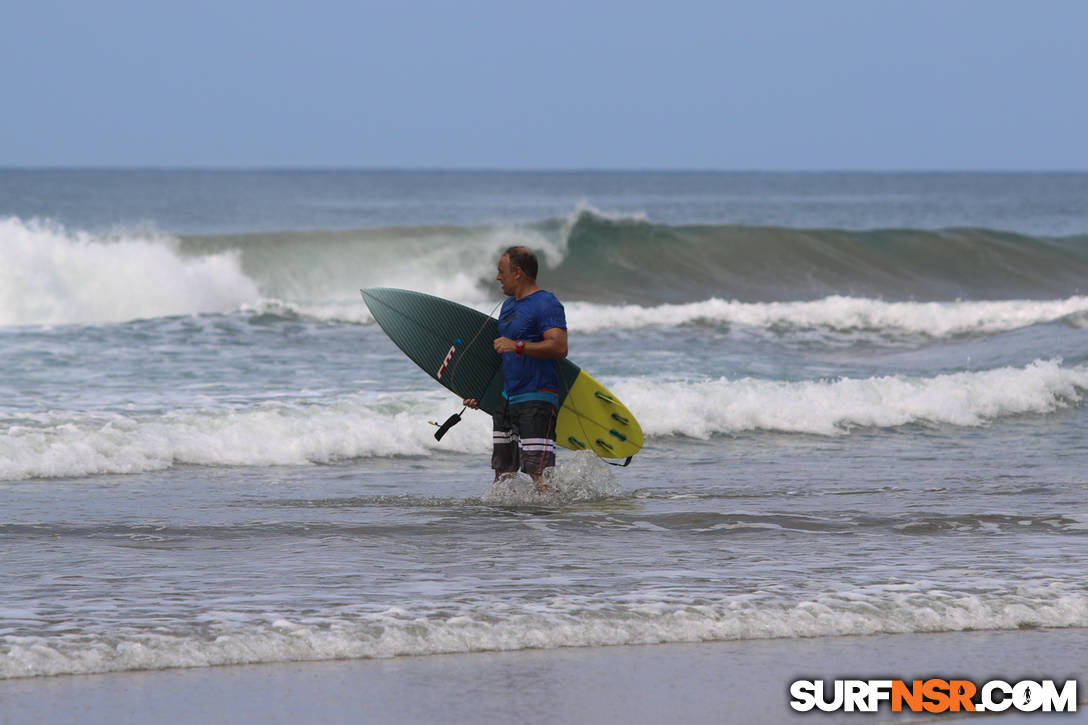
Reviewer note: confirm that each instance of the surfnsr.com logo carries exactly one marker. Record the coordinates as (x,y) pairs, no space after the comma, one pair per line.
(933,695)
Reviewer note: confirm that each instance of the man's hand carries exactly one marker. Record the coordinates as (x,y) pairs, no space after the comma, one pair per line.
(471,403)
(505,344)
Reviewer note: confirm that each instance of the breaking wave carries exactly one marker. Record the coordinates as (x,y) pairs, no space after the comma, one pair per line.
(54,275)
(646,617)
(284,433)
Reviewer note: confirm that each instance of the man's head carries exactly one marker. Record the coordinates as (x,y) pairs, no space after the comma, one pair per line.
(517,270)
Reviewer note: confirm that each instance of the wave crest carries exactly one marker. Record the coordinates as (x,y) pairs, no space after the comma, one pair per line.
(50,275)
(935,319)
(642,617)
(77,444)
(836,407)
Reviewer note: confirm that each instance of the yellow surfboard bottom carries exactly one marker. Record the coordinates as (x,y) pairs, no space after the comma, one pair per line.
(593,419)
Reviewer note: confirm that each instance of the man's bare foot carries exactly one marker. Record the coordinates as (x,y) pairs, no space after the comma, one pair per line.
(544,484)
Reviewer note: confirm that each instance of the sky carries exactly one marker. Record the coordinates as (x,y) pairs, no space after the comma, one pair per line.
(699,84)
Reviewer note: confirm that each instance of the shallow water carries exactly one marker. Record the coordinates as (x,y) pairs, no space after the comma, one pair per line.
(221,461)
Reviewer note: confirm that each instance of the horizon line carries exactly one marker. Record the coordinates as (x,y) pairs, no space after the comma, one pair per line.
(533,170)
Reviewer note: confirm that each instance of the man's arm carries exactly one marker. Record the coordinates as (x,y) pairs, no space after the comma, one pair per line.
(554,345)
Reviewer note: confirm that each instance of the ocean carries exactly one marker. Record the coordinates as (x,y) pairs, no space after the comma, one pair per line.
(864,397)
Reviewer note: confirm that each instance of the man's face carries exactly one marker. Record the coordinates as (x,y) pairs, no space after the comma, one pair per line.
(506,277)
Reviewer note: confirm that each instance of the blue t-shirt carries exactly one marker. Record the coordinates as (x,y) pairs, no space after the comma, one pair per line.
(527,319)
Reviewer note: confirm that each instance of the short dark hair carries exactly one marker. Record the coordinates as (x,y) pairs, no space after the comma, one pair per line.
(523,258)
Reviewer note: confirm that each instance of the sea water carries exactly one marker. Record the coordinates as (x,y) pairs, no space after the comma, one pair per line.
(863,398)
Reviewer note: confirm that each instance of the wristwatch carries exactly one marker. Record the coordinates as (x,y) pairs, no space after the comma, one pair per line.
(519,346)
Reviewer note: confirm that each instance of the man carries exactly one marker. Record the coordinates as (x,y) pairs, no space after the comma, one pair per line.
(533,336)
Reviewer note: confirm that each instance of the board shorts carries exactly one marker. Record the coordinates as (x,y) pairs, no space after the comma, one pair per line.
(524,437)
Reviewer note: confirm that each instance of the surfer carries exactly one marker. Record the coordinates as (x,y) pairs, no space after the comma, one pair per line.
(532,337)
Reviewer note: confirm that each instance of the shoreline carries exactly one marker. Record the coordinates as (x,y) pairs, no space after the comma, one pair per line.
(734,681)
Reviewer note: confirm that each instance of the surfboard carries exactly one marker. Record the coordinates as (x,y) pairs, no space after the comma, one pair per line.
(453,344)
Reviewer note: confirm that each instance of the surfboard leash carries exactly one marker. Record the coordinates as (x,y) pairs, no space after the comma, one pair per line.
(450,422)
(456,417)
(466,348)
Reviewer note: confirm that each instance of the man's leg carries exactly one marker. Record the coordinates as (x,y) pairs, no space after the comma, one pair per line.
(535,422)
(504,454)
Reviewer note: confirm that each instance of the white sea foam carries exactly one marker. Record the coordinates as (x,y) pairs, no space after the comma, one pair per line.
(49,275)
(263,435)
(832,407)
(836,314)
(270,434)
(644,617)
(936,319)
(53,275)
(313,269)
(577,478)
(350,312)
(457,263)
